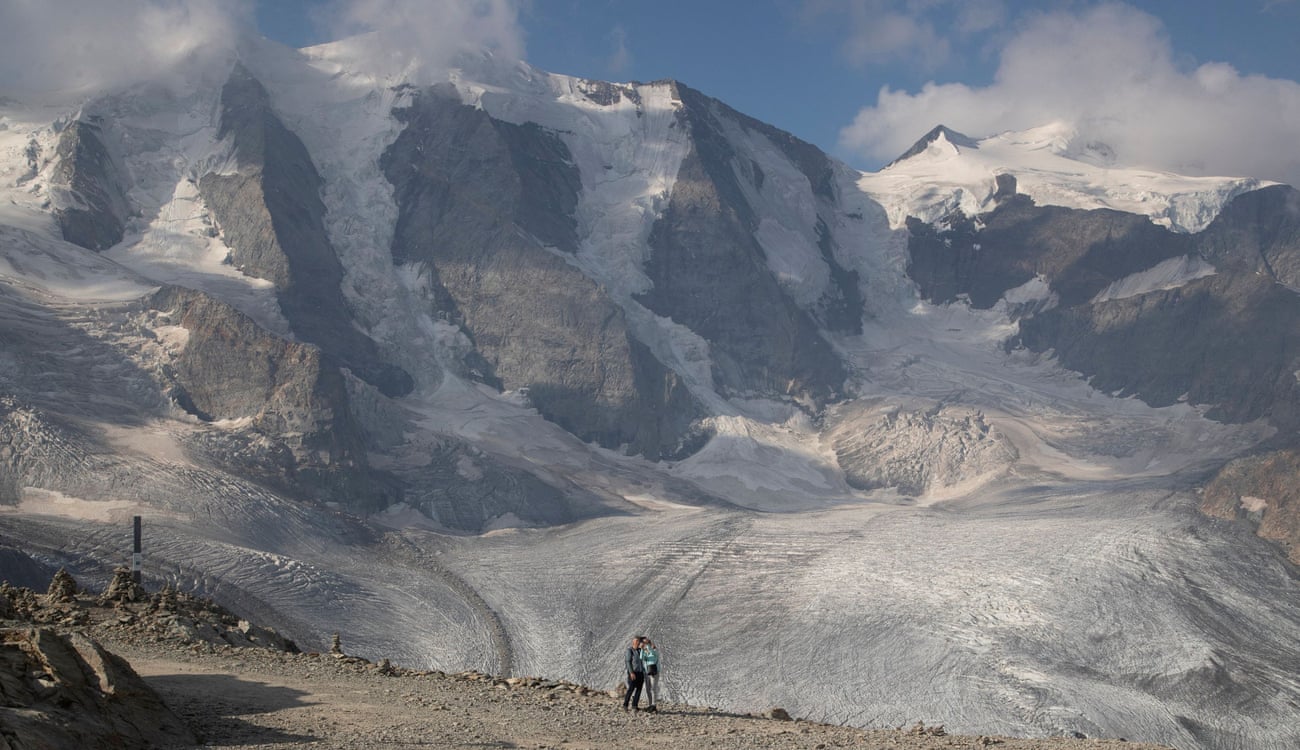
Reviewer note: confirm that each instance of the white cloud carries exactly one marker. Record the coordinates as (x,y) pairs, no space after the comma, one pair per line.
(74,47)
(622,56)
(1111,72)
(916,32)
(414,36)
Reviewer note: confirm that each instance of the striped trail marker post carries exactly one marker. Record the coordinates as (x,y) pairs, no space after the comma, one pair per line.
(136,556)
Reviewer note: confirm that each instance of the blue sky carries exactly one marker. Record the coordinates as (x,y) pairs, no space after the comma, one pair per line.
(813,66)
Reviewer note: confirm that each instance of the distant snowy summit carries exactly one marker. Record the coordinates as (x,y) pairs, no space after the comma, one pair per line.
(947,171)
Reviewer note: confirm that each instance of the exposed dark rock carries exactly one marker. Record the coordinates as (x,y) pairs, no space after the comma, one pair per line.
(95,186)
(606,94)
(231,368)
(1223,340)
(1263,490)
(841,311)
(1226,340)
(291,392)
(811,161)
(272,217)
(480,201)
(1258,231)
(711,275)
(1079,252)
(1006,186)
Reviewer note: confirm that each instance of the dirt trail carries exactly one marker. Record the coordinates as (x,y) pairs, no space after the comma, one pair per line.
(250,698)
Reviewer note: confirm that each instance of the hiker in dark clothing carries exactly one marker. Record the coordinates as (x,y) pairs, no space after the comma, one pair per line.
(635,675)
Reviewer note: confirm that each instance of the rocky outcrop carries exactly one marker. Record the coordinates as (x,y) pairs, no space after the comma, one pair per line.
(1258,232)
(90,186)
(1223,340)
(486,209)
(272,217)
(1264,491)
(231,368)
(711,275)
(292,393)
(67,691)
(1078,252)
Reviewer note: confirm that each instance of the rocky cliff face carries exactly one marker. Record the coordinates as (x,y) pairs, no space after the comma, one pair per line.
(90,187)
(271,216)
(486,211)
(1223,340)
(1078,252)
(711,274)
(232,369)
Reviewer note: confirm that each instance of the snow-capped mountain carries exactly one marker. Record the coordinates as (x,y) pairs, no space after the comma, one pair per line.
(494,367)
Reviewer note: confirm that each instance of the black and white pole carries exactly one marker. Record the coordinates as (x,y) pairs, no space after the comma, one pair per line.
(136,556)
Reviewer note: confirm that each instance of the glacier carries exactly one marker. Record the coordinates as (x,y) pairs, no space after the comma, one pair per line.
(1066,585)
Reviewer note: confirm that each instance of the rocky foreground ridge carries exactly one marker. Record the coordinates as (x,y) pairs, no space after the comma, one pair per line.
(214,680)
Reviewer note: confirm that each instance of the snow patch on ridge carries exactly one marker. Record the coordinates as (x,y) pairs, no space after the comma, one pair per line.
(787,229)
(1167,274)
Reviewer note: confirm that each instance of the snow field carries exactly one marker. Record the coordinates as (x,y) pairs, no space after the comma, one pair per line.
(1053,170)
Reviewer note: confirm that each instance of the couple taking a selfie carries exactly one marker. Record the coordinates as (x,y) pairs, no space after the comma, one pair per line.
(642,663)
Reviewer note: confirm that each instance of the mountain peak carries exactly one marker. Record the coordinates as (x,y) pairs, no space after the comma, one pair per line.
(954,138)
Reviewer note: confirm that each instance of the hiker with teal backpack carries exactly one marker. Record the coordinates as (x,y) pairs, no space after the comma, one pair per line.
(650,659)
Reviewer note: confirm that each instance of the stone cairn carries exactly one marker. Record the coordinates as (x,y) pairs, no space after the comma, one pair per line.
(63,588)
(122,589)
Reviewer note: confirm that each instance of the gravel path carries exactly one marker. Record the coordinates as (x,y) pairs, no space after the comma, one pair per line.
(252,698)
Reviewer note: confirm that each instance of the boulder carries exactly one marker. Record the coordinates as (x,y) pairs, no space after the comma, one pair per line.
(68,691)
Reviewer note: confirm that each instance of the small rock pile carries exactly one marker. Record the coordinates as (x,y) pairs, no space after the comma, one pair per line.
(65,690)
(126,609)
(60,688)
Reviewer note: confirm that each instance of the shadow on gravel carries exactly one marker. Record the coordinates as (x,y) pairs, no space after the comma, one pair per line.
(211,704)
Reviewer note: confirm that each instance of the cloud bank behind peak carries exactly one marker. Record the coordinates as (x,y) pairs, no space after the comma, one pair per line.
(1110,72)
